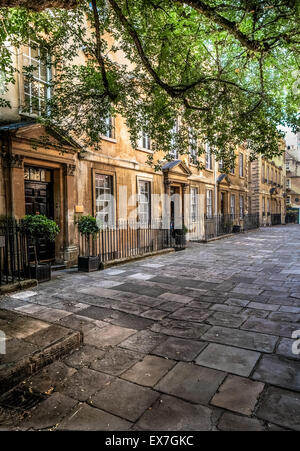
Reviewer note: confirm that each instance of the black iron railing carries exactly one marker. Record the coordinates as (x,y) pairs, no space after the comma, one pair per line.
(14,265)
(219,225)
(276,219)
(129,239)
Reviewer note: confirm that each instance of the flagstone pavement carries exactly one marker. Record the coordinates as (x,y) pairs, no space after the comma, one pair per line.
(194,340)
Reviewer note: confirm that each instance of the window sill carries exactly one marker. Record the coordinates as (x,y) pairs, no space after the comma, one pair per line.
(143,149)
(111,140)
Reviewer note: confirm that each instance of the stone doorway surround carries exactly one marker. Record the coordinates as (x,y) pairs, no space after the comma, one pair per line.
(30,144)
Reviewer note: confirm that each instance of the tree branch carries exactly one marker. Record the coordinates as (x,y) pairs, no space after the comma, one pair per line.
(98,55)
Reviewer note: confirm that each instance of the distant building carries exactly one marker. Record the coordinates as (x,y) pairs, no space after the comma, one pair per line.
(292,163)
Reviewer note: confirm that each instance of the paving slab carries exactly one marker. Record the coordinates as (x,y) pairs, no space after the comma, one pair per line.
(87,418)
(238,394)
(143,341)
(49,413)
(280,371)
(237,423)
(241,338)
(196,315)
(116,360)
(124,399)
(108,336)
(182,329)
(149,371)
(285,348)
(84,383)
(172,414)
(191,382)
(228,358)
(269,327)
(84,356)
(226,319)
(281,407)
(179,349)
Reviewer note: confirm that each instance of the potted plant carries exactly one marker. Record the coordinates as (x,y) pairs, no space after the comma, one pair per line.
(236,228)
(180,237)
(88,228)
(39,227)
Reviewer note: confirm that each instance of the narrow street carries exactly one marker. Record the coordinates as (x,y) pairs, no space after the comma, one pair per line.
(194,340)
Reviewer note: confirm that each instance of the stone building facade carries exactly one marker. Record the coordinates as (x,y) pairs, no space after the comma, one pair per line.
(267,189)
(292,162)
(43,171)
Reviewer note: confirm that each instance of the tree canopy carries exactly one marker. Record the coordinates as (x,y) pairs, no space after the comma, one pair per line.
(227,68)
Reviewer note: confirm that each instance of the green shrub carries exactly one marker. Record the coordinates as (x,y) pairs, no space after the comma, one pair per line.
(39,226)
(87,226)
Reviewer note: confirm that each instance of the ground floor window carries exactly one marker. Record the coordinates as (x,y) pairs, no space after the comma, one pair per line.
(104,198)
(194,204)
(144,204)
(232,205)
(242,206)
(209,203)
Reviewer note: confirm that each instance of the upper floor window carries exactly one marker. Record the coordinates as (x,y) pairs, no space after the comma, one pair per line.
(37,77)
(144,206)
(263,173)
(287,165)
(209,203)
(241,161)
(144,141)
(174,131)
(268,174)
(221,165)
(232,167)
(193,147)
(288,183)
(208,157)
(110,127)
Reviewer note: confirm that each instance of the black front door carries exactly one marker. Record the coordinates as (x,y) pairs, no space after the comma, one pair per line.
(39,200)
(222,204)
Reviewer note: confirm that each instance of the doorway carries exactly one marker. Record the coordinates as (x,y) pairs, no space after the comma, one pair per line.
(39,200)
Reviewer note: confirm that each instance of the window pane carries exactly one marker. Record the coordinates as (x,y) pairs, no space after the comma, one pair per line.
(144,202)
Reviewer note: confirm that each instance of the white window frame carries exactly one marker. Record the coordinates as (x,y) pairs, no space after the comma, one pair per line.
(241,164)
(232,205)
(208,157)
(144,141)
(209,203)
(174,131)
(110,127)
(42,84)
(194,204)
(288,183)
(144,203)
(104,198)
(242,207)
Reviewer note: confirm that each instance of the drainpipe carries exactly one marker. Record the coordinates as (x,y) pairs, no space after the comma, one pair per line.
(215,188)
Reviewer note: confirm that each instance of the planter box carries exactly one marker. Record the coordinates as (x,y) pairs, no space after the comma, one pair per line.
(41,272)
(236,229)
(88,264)
(180,240)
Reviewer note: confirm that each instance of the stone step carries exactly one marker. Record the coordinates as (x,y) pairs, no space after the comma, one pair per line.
(28,344)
